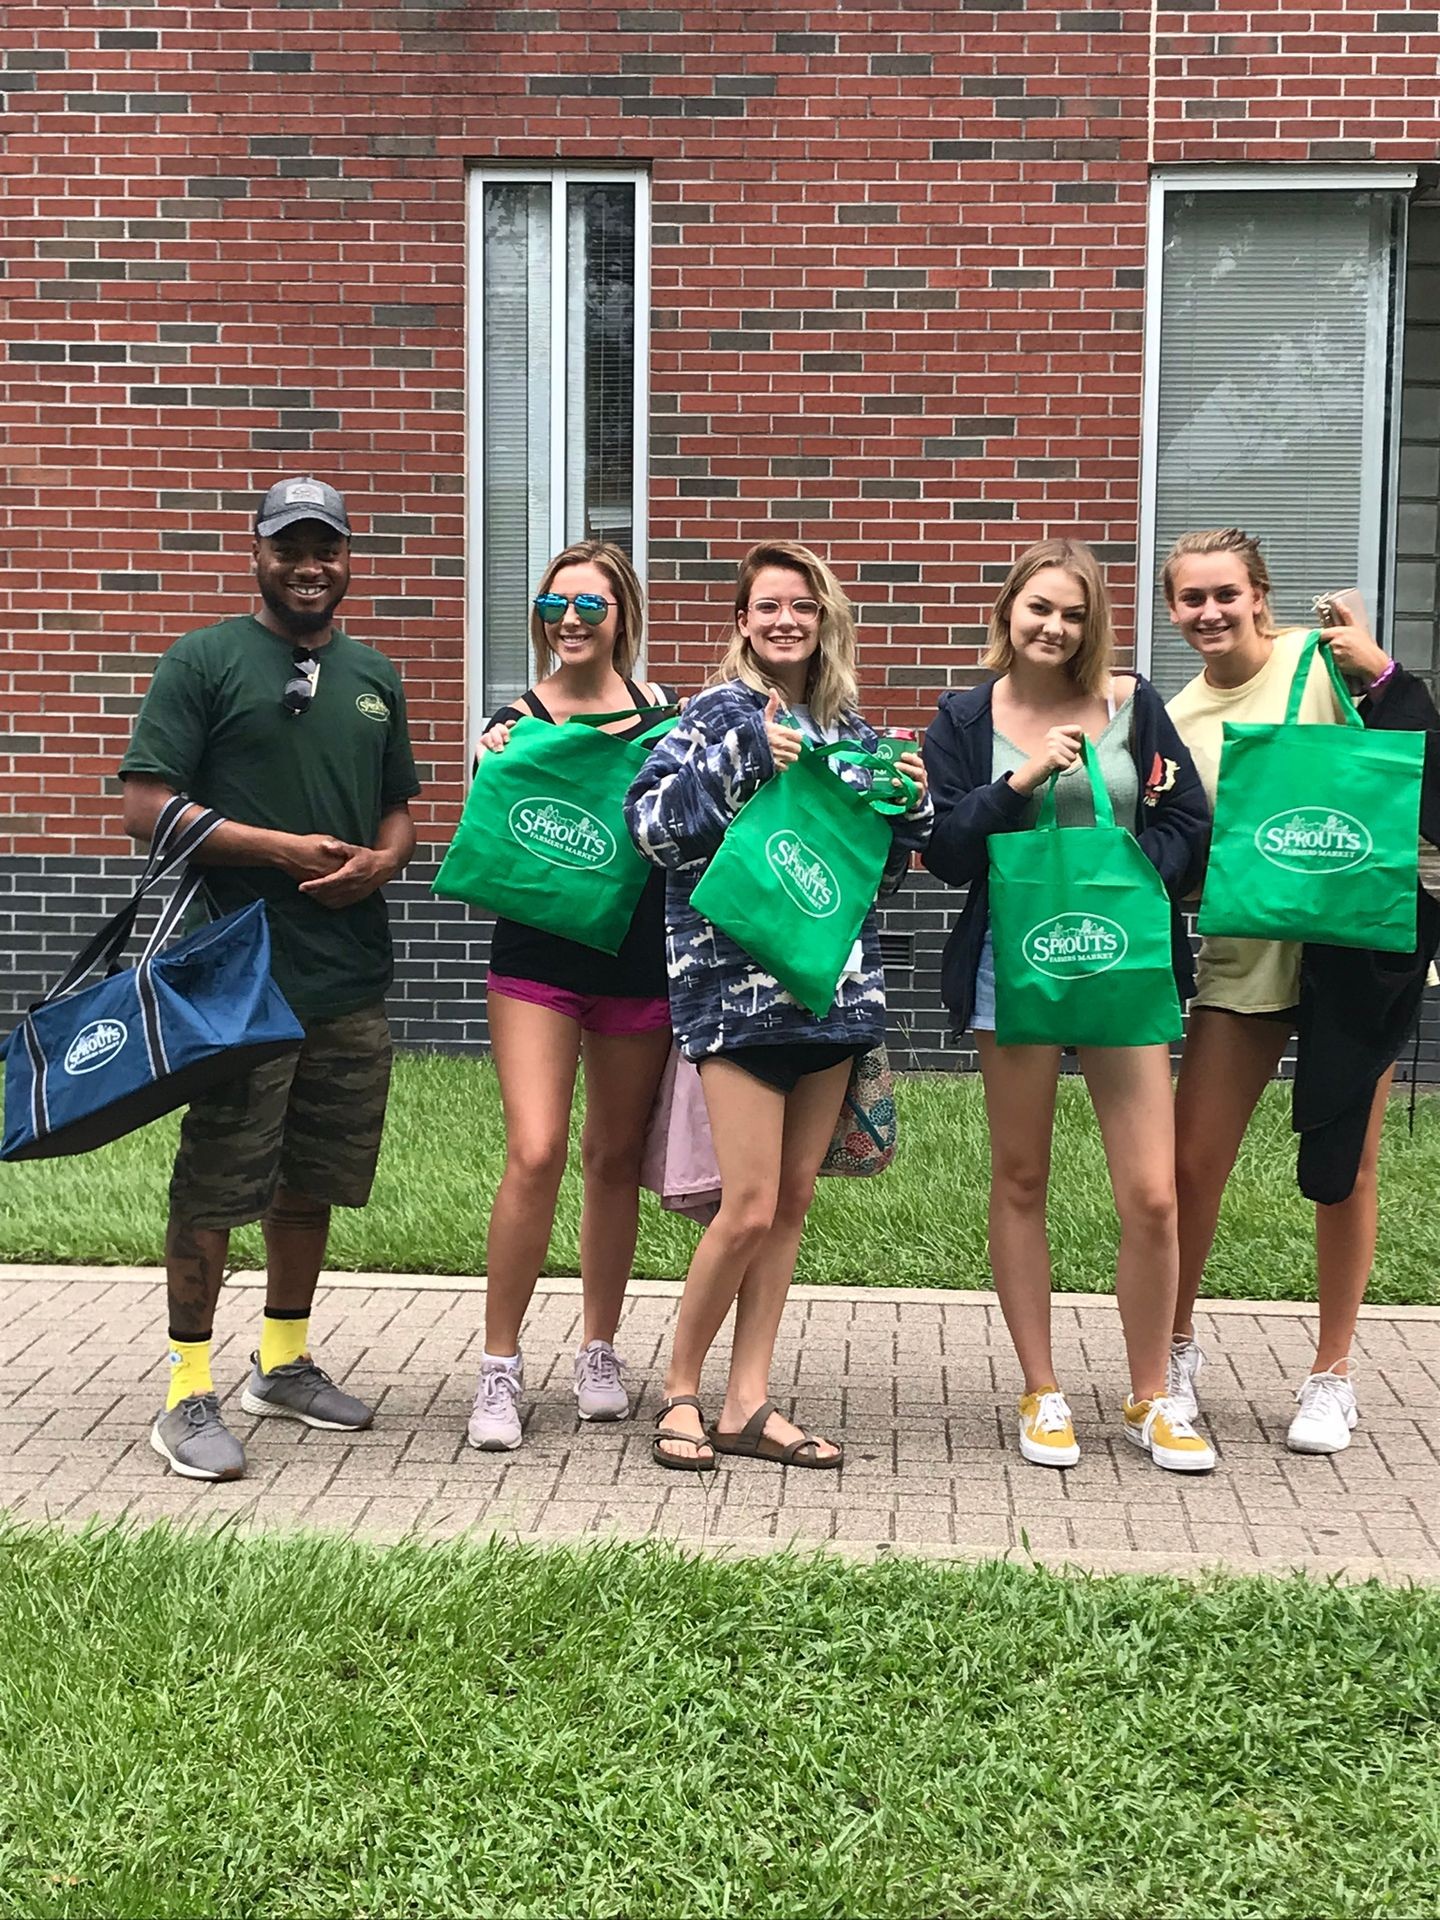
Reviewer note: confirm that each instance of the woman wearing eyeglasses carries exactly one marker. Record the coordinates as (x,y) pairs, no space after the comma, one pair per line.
(773,1073)
(555,1005)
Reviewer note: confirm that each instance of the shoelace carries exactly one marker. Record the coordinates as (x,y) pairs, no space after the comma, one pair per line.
(1321,1395)
(307,1371)
(602,1366)
(496,1385)
(202,1409)
(1052,1415)
(1166,1409)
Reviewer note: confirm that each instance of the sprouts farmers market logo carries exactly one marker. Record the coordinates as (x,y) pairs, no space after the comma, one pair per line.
(565,835)
(95,1046)
(803,874)
(1314,840)
(1073,946)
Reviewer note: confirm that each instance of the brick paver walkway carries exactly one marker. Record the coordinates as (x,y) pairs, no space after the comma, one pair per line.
(919,1386)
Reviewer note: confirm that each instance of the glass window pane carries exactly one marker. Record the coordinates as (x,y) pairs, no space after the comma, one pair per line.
(1416,636)
(600,363)
(515,426)
(1275,312)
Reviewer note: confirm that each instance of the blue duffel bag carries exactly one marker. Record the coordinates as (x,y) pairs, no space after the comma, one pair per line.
(88,1064)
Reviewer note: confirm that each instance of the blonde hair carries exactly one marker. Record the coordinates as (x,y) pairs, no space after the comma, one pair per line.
(1224,540)
(614,563)
(1089,666)
(831,688)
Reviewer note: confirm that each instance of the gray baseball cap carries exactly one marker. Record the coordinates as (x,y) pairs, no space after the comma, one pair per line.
(304,498)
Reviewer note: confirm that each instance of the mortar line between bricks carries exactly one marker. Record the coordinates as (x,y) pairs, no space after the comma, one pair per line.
(569,1285)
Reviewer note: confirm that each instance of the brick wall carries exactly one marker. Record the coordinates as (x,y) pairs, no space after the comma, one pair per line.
(897,280)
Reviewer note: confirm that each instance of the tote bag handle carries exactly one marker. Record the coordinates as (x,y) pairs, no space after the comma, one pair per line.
(645,739)
(899,793)
(1099,793)
(1349,712)
(170,845)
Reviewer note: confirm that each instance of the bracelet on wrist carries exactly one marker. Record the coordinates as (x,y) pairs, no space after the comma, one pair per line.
(1385,673)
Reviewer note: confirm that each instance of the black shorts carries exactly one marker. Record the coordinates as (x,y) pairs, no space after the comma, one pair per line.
(785,1066)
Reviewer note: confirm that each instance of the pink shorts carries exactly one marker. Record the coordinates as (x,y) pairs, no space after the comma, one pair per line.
(610,1013)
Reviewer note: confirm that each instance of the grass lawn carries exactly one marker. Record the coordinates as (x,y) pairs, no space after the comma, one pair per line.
(921,1224)
(294,1727)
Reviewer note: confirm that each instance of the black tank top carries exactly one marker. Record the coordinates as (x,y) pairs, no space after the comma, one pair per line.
(638,970)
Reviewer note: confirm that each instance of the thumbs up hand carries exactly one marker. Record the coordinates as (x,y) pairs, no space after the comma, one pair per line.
(784,741)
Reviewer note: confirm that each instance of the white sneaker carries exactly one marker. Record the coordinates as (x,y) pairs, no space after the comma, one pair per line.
(1159,1428)
(1327,1415)
(494,1425)
(1186,1360)
(599,1389)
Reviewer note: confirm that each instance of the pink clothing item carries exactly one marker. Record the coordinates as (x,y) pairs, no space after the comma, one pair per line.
(608,1013)
(679,1162)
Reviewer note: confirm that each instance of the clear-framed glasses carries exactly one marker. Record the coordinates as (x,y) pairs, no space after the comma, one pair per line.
(801,609)
(589,607)
(300,688)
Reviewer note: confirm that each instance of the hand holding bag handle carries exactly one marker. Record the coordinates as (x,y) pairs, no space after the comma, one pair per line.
(1349,712)
(1045,821)
(904,793)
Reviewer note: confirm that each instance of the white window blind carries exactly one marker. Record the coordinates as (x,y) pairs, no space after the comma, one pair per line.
(558,346)
(1275,331)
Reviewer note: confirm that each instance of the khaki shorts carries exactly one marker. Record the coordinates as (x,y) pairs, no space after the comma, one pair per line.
(310,1122)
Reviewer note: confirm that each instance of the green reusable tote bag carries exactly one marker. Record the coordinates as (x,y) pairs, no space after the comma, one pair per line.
(1317,829)
(543,838)
(1080,924)
(799,868)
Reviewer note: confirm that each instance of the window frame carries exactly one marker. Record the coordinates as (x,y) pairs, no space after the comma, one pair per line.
(1380,500)
(479,175)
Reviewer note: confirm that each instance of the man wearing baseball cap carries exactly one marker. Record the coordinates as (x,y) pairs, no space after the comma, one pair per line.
(296,734)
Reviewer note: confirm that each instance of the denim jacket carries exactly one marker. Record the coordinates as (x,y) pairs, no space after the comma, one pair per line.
(678,807)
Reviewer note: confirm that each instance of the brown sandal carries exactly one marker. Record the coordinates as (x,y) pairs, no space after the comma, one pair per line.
(679,1462)
(752,1443)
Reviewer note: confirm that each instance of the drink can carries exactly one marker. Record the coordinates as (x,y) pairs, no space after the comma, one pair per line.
(895,741)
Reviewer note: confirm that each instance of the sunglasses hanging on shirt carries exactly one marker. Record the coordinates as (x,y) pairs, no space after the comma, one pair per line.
(300,688)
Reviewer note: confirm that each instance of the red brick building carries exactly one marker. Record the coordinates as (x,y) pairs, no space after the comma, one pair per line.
(916,285)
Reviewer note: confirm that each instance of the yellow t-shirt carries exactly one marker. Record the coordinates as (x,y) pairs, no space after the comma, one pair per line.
(1248,976)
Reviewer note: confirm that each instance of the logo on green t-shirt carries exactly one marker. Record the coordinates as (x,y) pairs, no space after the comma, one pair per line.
(372,706)
(565,835)
(803,874)
(1073,946)
(1313,840)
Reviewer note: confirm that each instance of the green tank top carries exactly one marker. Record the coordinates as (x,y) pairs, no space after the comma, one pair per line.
(1074,806)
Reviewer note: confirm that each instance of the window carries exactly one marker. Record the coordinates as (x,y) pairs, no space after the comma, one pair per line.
(1272,360)
(557,382)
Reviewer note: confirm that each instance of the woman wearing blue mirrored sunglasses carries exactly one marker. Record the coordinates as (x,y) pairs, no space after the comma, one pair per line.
(555,1004)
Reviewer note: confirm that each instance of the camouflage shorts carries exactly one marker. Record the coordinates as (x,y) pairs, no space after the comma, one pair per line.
(310,1122)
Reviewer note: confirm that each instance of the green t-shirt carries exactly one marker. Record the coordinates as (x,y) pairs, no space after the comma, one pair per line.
(213,727)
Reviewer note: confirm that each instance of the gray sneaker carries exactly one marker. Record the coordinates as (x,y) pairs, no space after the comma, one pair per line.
(303,1391)
(494,1424)
(196,1441)
(599,1388)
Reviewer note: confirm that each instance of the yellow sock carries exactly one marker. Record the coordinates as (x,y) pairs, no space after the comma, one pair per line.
(282,1340)
(189,1370)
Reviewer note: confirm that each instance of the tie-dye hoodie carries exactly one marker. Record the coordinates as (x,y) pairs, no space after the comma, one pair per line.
(678,807)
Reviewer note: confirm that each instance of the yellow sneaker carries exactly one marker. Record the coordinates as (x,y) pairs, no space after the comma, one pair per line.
(1160,1427)
(1047,1433)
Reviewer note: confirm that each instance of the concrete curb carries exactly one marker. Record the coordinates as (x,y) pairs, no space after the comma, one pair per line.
(566,1284)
